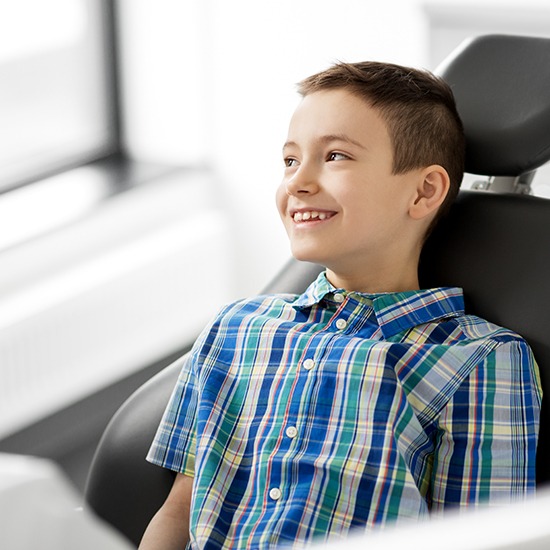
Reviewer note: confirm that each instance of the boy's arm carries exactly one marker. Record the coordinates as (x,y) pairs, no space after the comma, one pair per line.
(169,528)
(487,434)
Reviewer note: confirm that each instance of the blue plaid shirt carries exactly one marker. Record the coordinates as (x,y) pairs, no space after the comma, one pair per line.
(302,417)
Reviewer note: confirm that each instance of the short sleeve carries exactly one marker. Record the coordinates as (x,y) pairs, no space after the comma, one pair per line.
(487,434)
(174,445)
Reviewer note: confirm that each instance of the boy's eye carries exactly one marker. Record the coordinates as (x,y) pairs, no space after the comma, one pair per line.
(289,162)
(337,156)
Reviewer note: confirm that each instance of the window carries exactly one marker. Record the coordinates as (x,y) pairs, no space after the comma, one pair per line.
(55,87)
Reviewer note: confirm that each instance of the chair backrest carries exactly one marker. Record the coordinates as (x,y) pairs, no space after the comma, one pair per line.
(501,84)
(496,247)
(122,487)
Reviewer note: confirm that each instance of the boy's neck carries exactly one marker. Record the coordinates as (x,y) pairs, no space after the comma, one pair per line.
(381,282)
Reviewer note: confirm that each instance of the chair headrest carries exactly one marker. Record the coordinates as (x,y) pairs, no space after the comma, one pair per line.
(502,89)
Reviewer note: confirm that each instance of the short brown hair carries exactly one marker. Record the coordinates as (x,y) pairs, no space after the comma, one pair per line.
(418,108)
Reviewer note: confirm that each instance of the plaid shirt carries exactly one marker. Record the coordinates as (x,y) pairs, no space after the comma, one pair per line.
(302,417)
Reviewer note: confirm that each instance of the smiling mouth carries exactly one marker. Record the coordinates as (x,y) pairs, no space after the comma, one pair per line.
(311,216)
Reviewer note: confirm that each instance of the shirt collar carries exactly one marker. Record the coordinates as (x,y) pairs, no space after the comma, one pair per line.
(395,311)
(315,292)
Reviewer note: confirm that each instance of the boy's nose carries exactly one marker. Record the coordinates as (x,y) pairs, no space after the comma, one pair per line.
(304,180)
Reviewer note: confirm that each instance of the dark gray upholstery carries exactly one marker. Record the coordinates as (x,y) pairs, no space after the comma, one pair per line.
(497,247)
(122,488)
(501,85)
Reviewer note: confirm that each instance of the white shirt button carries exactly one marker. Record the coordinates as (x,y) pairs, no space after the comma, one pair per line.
(309,364)
(275,493)
(338,298)
(291,431)
(341,324)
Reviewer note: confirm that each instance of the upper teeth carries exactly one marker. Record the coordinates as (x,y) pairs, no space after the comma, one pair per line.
(301,216)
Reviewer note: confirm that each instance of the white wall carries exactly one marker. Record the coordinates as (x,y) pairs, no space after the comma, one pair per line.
(213,81)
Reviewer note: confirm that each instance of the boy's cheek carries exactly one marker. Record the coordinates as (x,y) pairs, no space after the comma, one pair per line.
(281,200)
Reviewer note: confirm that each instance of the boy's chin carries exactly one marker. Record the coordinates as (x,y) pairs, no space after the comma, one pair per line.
(311,260)
(305,256)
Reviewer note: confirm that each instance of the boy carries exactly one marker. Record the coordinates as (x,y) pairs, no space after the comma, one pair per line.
(364,400)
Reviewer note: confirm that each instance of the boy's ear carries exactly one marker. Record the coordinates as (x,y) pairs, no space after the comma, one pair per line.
(431,190)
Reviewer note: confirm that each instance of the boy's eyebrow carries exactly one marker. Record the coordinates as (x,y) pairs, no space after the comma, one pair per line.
(329,138)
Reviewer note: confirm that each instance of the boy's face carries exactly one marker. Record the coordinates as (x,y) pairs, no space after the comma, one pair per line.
(341,205)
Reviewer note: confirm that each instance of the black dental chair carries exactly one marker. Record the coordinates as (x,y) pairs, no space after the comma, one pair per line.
(495,245)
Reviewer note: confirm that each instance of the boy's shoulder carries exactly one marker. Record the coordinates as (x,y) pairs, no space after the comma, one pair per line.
(242,315)
(257,304)
(477,328)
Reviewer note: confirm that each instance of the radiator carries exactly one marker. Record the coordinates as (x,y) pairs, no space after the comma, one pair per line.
(90,303)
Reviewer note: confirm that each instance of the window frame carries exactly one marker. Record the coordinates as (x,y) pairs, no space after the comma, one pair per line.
(111,148)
